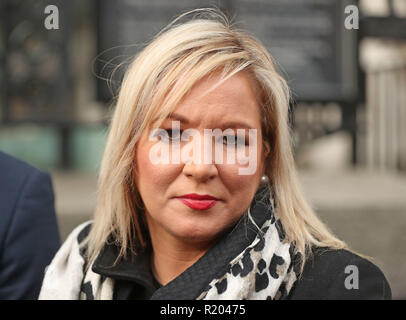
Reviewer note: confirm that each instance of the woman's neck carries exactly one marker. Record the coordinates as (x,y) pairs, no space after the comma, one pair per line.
(170,257)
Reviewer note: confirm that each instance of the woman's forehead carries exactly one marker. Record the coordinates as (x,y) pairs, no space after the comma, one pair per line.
(233,103)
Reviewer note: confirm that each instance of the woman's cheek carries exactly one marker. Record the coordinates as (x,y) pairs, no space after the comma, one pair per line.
(234,181)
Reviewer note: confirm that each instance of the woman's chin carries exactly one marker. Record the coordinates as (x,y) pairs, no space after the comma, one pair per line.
(195,234)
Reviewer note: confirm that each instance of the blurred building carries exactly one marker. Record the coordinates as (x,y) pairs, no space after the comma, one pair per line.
(58,85)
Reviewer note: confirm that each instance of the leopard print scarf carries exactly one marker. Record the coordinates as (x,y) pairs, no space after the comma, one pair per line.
(263,271)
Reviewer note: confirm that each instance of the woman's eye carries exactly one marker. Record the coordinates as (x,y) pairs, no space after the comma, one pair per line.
(173,135)
(233,140)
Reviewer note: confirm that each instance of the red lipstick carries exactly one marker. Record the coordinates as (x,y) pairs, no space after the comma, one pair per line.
(198,202)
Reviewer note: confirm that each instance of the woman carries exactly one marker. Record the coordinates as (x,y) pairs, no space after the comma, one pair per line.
(198,192)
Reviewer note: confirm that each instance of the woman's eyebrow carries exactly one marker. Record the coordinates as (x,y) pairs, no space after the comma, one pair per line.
(173,116)
(223,125)
(236,125)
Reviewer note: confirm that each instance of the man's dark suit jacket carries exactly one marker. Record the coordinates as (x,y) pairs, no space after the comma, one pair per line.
(29,236)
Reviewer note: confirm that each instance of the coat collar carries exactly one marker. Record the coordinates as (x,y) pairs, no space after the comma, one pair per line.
(193,280)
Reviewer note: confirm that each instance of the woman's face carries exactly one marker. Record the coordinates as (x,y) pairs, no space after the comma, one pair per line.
(232,105)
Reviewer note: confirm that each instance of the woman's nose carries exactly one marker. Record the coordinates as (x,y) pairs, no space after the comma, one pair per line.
(200,164)
(200,171)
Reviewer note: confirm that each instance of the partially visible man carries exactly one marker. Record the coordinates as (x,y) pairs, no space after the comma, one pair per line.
(29,235)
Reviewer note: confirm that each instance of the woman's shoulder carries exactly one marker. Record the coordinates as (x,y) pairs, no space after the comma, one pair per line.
(340,274)
(66,268)
(82,230)
(78,234)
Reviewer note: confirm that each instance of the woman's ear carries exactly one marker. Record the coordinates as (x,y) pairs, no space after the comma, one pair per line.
(267,149)
(266,153)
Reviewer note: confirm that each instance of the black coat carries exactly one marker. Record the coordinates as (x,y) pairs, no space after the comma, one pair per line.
(327,275)
(29,236)
(340,274)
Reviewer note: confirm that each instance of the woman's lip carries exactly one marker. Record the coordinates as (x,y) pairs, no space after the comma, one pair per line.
(198,204)
(195,196)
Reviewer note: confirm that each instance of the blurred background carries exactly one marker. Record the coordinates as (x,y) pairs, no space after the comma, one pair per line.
(348,79)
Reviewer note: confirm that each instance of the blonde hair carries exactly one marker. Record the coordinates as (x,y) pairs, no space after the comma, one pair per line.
(157,79)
